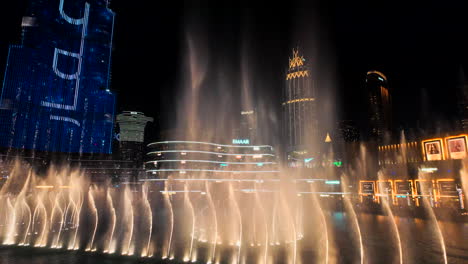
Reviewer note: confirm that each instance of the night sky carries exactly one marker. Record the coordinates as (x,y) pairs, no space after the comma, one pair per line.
(421,46)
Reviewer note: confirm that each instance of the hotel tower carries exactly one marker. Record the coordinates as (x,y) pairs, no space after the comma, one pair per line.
(299,112)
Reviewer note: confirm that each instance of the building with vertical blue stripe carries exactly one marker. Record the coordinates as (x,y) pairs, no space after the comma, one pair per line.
(55,95)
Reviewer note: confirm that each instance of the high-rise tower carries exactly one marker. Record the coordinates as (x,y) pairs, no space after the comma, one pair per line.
(300,123)
(132,135)
(56,93)
(462,99)
(248,126)
(380,105)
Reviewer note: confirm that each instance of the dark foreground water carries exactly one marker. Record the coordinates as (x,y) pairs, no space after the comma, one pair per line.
(420,244)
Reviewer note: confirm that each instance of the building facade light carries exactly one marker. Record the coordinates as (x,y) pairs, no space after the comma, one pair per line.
(299,100)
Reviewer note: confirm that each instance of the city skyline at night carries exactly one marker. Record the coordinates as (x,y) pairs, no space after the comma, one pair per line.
(241,132)
(351,40)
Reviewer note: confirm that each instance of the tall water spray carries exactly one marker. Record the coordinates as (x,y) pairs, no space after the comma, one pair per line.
(385,200)
(427,203)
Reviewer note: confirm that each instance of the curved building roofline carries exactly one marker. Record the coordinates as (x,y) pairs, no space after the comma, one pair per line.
(209,152)
(202,170)
(208,143)
(214,161)
(378,73)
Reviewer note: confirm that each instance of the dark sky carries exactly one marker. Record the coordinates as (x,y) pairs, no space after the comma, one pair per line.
(419,45)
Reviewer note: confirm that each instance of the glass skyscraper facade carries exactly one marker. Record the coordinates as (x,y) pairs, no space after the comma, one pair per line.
(55,94)
(379,106)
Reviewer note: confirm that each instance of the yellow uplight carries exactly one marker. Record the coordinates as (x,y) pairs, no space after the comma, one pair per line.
(44,186)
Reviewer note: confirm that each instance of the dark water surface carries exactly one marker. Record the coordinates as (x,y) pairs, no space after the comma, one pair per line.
(420,244)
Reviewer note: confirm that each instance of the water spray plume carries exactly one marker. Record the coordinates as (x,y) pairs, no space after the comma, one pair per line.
(150,219)
(110,241)
(353,216)
(430,210)
(92,205)
(388,210)
(316,205)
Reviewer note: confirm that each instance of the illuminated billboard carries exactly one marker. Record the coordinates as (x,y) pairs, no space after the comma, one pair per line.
(456,147)
(367,187)
(403,187)
(423,187)
(55,95)
(447,187)
(433,149)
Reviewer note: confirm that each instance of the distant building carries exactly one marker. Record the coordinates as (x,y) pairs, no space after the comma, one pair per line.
(55,95)
(132,135)
(347,131)
(379,106)
(463,100)
(346,140)
(248,126)
(299,113)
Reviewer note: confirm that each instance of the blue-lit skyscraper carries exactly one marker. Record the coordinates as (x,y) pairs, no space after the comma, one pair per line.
(55,93)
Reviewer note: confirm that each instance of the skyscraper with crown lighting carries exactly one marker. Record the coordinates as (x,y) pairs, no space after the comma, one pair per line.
(299,110)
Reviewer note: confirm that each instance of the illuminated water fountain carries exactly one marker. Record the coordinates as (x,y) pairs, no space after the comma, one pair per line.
(218,215)
(199,220)
(62,210)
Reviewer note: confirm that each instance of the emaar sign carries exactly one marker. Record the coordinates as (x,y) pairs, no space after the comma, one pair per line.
(241,141)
